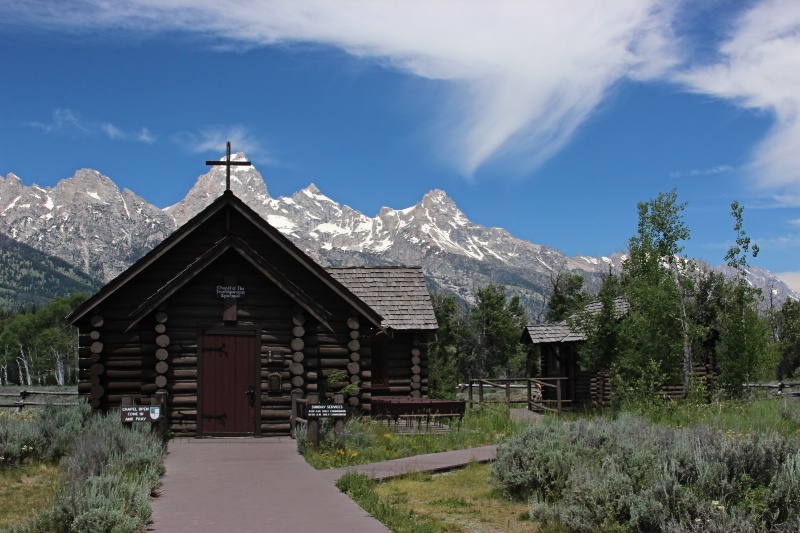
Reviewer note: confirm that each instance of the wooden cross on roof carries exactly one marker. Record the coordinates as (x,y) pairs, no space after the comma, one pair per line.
(228,164)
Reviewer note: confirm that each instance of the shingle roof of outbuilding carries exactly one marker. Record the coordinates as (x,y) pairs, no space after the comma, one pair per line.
(562,332)
(398,294)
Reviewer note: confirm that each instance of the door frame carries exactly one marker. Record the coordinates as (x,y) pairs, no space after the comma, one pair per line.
(253,330)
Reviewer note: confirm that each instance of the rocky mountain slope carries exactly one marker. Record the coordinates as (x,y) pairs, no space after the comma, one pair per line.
(30,277)
(88,222)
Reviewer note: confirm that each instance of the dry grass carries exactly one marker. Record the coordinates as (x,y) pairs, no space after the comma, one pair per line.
(462,500)
(25,489)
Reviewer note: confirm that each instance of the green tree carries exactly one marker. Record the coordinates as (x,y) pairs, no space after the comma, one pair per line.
(657,333)
(602,329)
(744,335)
(567,296)
(788,333)
(495,326)
(39,345)
(447,356)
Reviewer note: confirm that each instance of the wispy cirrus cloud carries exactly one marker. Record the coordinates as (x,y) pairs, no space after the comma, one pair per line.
(212,139)
(758,68)
(70,122)
(522,76)
(699,172)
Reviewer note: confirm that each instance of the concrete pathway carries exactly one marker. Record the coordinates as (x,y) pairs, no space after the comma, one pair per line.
(264,485)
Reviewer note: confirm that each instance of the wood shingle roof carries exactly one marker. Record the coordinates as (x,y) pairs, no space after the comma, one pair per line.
(398,294)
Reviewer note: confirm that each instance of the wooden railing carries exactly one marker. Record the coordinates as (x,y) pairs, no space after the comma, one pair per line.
(534,392)
(22,399)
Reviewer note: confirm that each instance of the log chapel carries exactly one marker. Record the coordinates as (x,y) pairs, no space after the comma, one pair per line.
(229,318)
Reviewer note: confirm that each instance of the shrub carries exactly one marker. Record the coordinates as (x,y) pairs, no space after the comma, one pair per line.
(110,471)
(629,475)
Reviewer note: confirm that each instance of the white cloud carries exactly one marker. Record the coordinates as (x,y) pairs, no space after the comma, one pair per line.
(523,74)
(719,169)
(68,121)
(213,139)
(63,120)
(759,68)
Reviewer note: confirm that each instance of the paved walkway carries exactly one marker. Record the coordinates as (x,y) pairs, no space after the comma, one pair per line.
(263,485)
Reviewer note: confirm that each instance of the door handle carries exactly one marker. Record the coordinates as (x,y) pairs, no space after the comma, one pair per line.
(251,393)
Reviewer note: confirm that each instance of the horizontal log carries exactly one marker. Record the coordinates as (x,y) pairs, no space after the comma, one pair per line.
(297,381)
(182,386)
(355,357)
(162,367)
(161,317)
(332,338)
(297,344)
(163,341)
(97,369)
(124,374)
(352,323)
(182,400)
(161,381)
(276,338)
(185,360)
(366,374)
(353,368)
(97,391)
(160,328)
(94,335)
(96,321)
(353,401)
(335,363)
(312,387)
(415,360)
(94,380)
(299,319)
(353,345)
(298,357)
(84,387)
(275,426)
(275,413)
(327,351)
(354,334)
(298,331)
(162,354)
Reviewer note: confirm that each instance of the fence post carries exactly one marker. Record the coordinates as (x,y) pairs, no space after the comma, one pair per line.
(160,400)
(508,393)
(528,380)
(312,435)
(296,395)
(470,392)
(480,393)
(338,423)
(558,395)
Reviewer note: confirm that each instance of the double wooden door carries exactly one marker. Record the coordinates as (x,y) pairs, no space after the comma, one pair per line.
(229,387)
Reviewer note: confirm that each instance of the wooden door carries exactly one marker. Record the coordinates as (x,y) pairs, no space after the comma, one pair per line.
(229,386)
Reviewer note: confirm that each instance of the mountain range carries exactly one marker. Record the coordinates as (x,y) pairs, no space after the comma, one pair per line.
(92,225)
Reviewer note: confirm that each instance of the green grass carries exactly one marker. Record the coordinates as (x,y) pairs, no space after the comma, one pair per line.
(365,441)
(26,489)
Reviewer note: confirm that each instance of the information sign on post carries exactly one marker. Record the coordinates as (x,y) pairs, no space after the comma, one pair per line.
(140,413)
(326,410)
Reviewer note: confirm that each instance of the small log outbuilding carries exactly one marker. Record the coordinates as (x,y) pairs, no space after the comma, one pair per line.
(229,318)
(559,358)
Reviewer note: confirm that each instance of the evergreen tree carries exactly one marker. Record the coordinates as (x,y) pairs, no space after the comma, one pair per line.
(496,323)
(567,296)
(788,333)
(447,356)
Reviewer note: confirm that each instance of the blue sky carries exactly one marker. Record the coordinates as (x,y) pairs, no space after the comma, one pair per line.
(550,119)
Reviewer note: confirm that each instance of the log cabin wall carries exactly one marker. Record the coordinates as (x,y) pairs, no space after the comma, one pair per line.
(145,333)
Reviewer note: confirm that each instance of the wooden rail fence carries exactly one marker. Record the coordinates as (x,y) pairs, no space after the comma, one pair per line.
(22,399)
(534,389)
